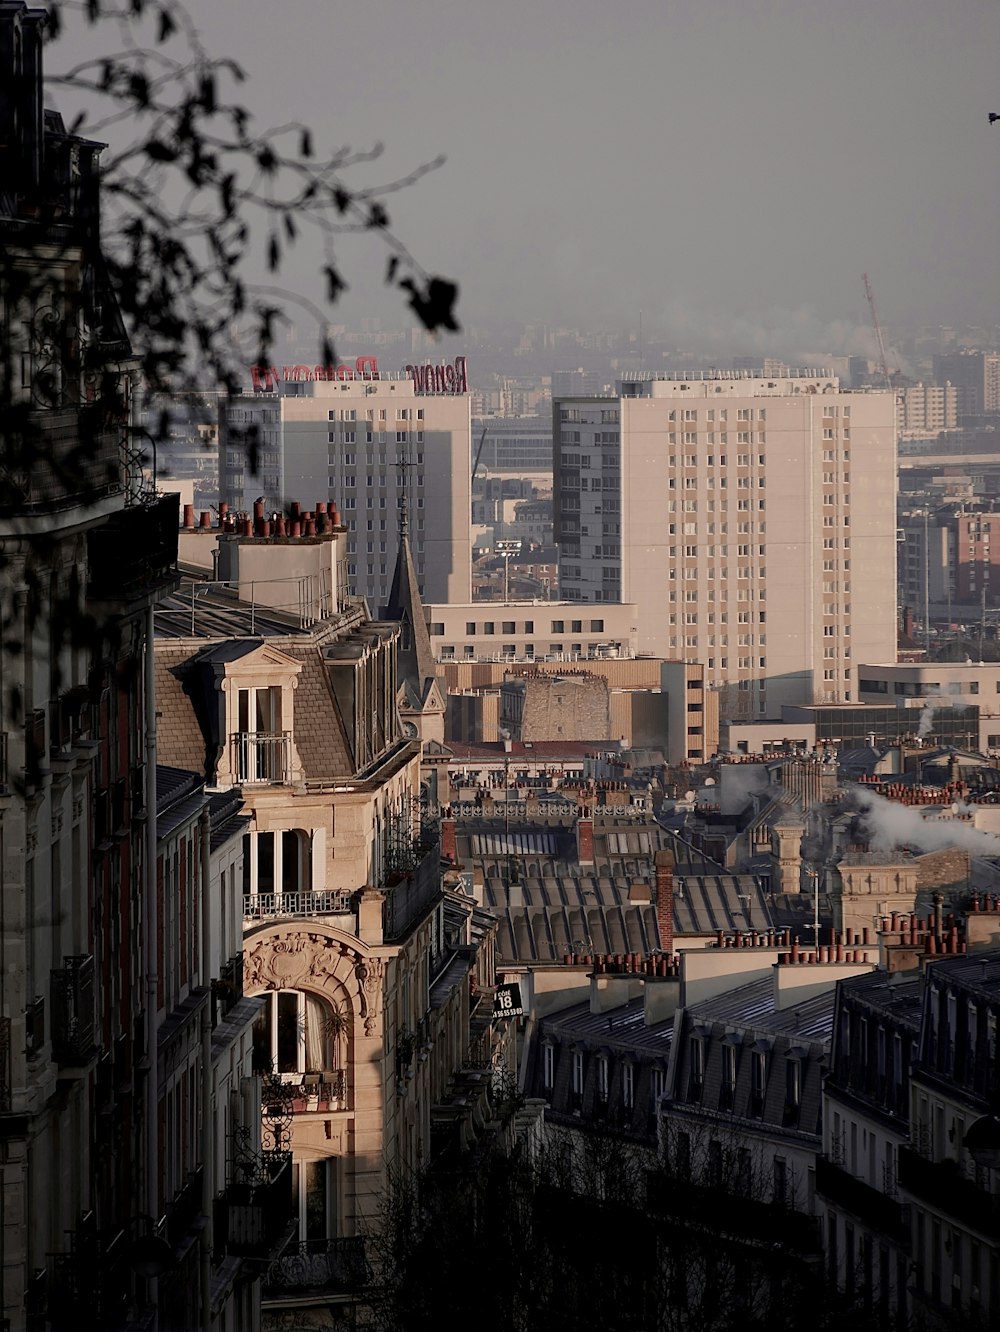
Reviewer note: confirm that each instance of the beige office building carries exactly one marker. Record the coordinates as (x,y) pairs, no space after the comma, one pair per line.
(362,442)
(751,521)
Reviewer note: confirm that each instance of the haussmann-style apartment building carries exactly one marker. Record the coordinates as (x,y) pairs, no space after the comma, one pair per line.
(750,520)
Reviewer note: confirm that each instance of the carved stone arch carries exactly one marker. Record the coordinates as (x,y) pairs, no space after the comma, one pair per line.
(323,961)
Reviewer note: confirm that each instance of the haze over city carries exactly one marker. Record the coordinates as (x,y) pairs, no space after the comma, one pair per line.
(728,168)
(499,822)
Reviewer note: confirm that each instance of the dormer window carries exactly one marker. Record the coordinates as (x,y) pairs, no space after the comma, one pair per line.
(260,744)
(257,691)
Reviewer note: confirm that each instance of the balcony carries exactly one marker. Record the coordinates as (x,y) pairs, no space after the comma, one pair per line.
(56,459)
(939,1185)
(329,1265)
(324,1091)
(410,894)
(72,1000)
(262,759)
(254,1220)
(272,906)
(869,1205)
(227,991)
(134,553)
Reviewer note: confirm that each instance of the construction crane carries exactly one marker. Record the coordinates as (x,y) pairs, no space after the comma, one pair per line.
(883,365)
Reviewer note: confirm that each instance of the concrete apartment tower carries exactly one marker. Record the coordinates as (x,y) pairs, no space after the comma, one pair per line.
(751,520)
(365,438)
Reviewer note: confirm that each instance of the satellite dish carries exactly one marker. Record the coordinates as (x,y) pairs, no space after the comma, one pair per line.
(709,781)
(688,795)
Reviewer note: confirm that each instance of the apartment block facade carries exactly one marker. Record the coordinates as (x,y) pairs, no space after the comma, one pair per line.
(366,440)
(751,521)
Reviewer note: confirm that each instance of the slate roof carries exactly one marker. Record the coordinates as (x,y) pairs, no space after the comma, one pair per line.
(548,904)
(746,1018)
(752,1006)
(188,715)
(621,1028)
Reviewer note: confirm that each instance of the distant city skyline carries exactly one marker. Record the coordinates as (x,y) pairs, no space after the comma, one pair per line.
(728,170)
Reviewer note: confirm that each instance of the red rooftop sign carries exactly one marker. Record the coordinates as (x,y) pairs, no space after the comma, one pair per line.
(427,379)
(266,378)
(440,378)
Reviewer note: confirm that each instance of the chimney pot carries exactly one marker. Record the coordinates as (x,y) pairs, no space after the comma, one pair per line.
(206,519)
(188,516)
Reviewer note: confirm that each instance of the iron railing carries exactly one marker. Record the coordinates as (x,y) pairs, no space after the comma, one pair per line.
(412,895)
(266,906)
(72,998)
(262,758)
(326,1264)
(253,1219)
(318,1091)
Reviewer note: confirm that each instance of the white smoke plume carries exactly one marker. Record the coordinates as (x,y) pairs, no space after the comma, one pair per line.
(927,713)
(889,825)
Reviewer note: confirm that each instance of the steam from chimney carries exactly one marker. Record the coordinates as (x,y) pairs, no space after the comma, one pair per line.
(888,826)
(927,714)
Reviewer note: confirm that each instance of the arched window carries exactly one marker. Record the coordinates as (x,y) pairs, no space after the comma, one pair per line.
(298,1033)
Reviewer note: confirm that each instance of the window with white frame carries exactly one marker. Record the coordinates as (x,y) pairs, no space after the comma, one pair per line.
(297,1033)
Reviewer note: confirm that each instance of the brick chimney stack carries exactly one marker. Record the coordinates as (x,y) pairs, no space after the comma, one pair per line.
(585,837)
(665,899)
(449,845)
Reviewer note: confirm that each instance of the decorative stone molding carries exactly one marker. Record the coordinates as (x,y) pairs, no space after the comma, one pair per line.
(307,960)
(369,972)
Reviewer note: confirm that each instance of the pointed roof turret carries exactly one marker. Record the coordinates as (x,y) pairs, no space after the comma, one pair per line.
(415,659)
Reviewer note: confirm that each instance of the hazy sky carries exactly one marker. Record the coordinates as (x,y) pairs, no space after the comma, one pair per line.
(731,167)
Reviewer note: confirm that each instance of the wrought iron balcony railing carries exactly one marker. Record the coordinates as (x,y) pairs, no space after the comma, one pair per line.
(72,1000)
(319,1265)
(266,906)
(317,1091)
(254,1220)
(262,758)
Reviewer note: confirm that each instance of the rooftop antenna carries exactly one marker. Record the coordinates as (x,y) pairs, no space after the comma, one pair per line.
(402,464)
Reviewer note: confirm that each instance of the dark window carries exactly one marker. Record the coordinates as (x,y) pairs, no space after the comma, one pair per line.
(696,1070)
